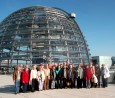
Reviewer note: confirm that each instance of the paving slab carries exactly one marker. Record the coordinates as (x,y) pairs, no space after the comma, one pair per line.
(7,91)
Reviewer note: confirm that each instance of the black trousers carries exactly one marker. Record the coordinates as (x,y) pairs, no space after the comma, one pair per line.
(64,82)
(98,78)
(104,81)
(25,87)
(59,83)
(34,85)
(92,84)
(50,81)
(21,85)
(71,81)
(79,82)
(84,83)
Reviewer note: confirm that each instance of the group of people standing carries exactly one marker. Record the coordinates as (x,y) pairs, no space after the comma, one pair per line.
(44,77)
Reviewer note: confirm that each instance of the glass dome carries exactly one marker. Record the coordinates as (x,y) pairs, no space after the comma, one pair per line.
(38,34)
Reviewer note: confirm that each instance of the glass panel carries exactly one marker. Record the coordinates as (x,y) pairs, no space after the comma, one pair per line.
(72,48)
(71,43)
(22,62)
(74,60)
(15,54)
(61,48)
(58,42)
(59,54)
(6,50)
(74,54)
(40,48)
(18,37)
(23,48)
(14,61)
(54,36)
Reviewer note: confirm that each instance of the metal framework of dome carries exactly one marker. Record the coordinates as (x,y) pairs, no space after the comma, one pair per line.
(38,34)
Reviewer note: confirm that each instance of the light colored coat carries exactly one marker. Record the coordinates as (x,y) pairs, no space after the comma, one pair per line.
(41,73)
(47,73)
(105,72)
(80,72)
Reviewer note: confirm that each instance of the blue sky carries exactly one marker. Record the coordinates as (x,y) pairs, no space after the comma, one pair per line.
(96,19)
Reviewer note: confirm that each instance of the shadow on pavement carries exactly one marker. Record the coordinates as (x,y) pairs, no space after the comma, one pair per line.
(7,89)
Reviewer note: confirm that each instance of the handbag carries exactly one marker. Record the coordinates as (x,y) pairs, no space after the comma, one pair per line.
(107,75)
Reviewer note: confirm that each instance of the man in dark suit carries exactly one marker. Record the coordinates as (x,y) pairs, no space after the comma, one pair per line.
(53,77)
(64,76)
(71,76)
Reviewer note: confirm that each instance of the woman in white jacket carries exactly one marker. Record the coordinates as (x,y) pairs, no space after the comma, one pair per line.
(105,75)
(33,78)
(41,78)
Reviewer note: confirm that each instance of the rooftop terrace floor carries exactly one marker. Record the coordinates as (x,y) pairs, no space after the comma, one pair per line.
(7,91)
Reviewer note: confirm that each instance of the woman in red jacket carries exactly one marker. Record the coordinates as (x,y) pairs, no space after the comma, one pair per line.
(88,76)
(25,78)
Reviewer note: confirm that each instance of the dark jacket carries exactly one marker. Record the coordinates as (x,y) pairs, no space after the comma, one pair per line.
(72,74)
(59,75)
(52,77)
(15,73)
(62,72)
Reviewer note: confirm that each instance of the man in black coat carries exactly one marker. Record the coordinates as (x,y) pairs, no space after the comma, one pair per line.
(64,76)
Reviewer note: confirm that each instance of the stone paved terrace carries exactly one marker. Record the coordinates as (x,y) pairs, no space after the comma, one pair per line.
(7,91)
